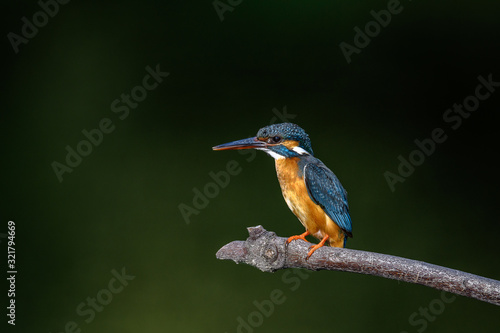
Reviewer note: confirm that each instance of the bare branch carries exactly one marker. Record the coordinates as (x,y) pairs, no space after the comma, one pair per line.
(269,253)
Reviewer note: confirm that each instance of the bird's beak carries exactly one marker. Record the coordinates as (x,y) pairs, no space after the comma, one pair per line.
(241,144)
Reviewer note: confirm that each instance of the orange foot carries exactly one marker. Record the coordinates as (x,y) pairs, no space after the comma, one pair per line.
(317,246)
(301,236)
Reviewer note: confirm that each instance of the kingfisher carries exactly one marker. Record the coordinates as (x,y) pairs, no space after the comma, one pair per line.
(311,190)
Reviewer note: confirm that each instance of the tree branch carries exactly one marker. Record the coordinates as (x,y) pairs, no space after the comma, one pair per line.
(269,253)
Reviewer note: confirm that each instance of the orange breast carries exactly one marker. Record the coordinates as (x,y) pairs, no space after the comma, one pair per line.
(311,215)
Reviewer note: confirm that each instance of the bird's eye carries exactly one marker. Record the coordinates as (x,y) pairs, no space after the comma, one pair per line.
(274,139)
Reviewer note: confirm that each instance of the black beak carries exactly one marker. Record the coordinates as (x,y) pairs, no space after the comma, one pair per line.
(241,144)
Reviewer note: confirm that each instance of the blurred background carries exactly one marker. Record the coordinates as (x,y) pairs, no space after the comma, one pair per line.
(234,68)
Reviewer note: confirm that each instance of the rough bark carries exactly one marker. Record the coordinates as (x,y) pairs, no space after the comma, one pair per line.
(269,253)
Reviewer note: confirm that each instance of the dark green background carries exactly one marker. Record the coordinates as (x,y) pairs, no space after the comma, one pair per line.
(119,208)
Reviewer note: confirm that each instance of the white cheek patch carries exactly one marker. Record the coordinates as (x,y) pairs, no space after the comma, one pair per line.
(300,151)
(272,153)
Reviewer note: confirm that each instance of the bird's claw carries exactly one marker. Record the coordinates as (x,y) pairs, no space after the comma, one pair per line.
(312,249)
(317,246)
(301,236)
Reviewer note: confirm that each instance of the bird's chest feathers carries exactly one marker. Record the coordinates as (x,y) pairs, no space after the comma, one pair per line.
(294,190)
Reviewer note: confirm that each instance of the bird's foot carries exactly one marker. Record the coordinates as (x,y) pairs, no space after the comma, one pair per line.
(317,246)
(301,236)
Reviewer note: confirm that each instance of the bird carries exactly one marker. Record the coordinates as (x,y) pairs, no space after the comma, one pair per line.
(311,190)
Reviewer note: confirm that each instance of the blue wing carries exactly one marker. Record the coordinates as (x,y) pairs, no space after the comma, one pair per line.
(325,190)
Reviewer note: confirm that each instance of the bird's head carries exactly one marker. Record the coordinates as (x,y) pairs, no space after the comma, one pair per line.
(279,140)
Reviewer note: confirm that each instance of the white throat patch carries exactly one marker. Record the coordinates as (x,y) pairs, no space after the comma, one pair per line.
(272,153)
